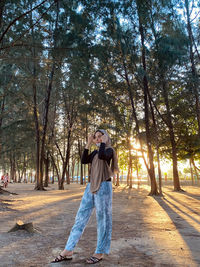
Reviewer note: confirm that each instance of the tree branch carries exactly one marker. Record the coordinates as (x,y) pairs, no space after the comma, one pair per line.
(18,18)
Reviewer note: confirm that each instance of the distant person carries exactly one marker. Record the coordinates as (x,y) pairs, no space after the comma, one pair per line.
(98,195)
(5,180)
(2,179)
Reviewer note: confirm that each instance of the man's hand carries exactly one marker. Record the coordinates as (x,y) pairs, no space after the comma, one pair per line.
(104,138)
(90,140)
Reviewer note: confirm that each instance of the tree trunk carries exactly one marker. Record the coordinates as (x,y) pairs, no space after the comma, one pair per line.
(46,181)
(117,180)
(55,168)
(72,171)
(191,172)
(1,115)
(46,107)
(35,114)
(159,171)
(24,169)
(88,173)
(12,167)
(128,176)
(155,129)
(67,175)
(168,122)
(45,123)
(130,164)
(151,170)
(53,174)
(81,166)
(67,157)
(3,100)
(84,174)
(131,170)
(195,83)
(131,179)
(77,171)
(172,139)
(2,5)
(137,171)
(81,178)
(195,169)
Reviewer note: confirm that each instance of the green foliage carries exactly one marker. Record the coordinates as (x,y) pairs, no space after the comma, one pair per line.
(96,49)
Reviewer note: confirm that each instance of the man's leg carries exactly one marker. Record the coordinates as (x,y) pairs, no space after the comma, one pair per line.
(82,217)
(103,205)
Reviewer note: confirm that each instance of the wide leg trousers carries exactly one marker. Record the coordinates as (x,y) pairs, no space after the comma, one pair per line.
(102,202)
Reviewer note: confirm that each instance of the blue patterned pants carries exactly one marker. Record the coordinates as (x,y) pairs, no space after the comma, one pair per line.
(102,202)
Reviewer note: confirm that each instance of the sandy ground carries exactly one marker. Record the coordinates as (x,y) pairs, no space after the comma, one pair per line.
(147,231)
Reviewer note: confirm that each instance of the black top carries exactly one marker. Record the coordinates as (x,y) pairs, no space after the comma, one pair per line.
(104,154)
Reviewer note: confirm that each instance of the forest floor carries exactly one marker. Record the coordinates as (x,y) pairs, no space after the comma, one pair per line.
(147,231)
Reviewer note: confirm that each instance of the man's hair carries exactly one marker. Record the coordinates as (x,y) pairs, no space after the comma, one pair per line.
(99,132)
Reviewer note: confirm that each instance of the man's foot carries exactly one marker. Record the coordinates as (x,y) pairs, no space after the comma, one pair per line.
(94,259)
(65,255)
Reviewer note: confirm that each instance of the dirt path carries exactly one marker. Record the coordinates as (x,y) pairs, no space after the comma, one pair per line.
(146,231)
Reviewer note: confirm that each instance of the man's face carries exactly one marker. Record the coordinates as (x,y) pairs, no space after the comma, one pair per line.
(97,137)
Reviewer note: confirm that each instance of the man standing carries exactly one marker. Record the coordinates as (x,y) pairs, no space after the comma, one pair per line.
(5,180)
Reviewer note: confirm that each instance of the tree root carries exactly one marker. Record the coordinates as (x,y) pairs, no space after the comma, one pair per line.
(179,190)
(155,194)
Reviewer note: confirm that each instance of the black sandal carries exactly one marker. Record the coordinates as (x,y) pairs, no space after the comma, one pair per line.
(62,258)
(93,260)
